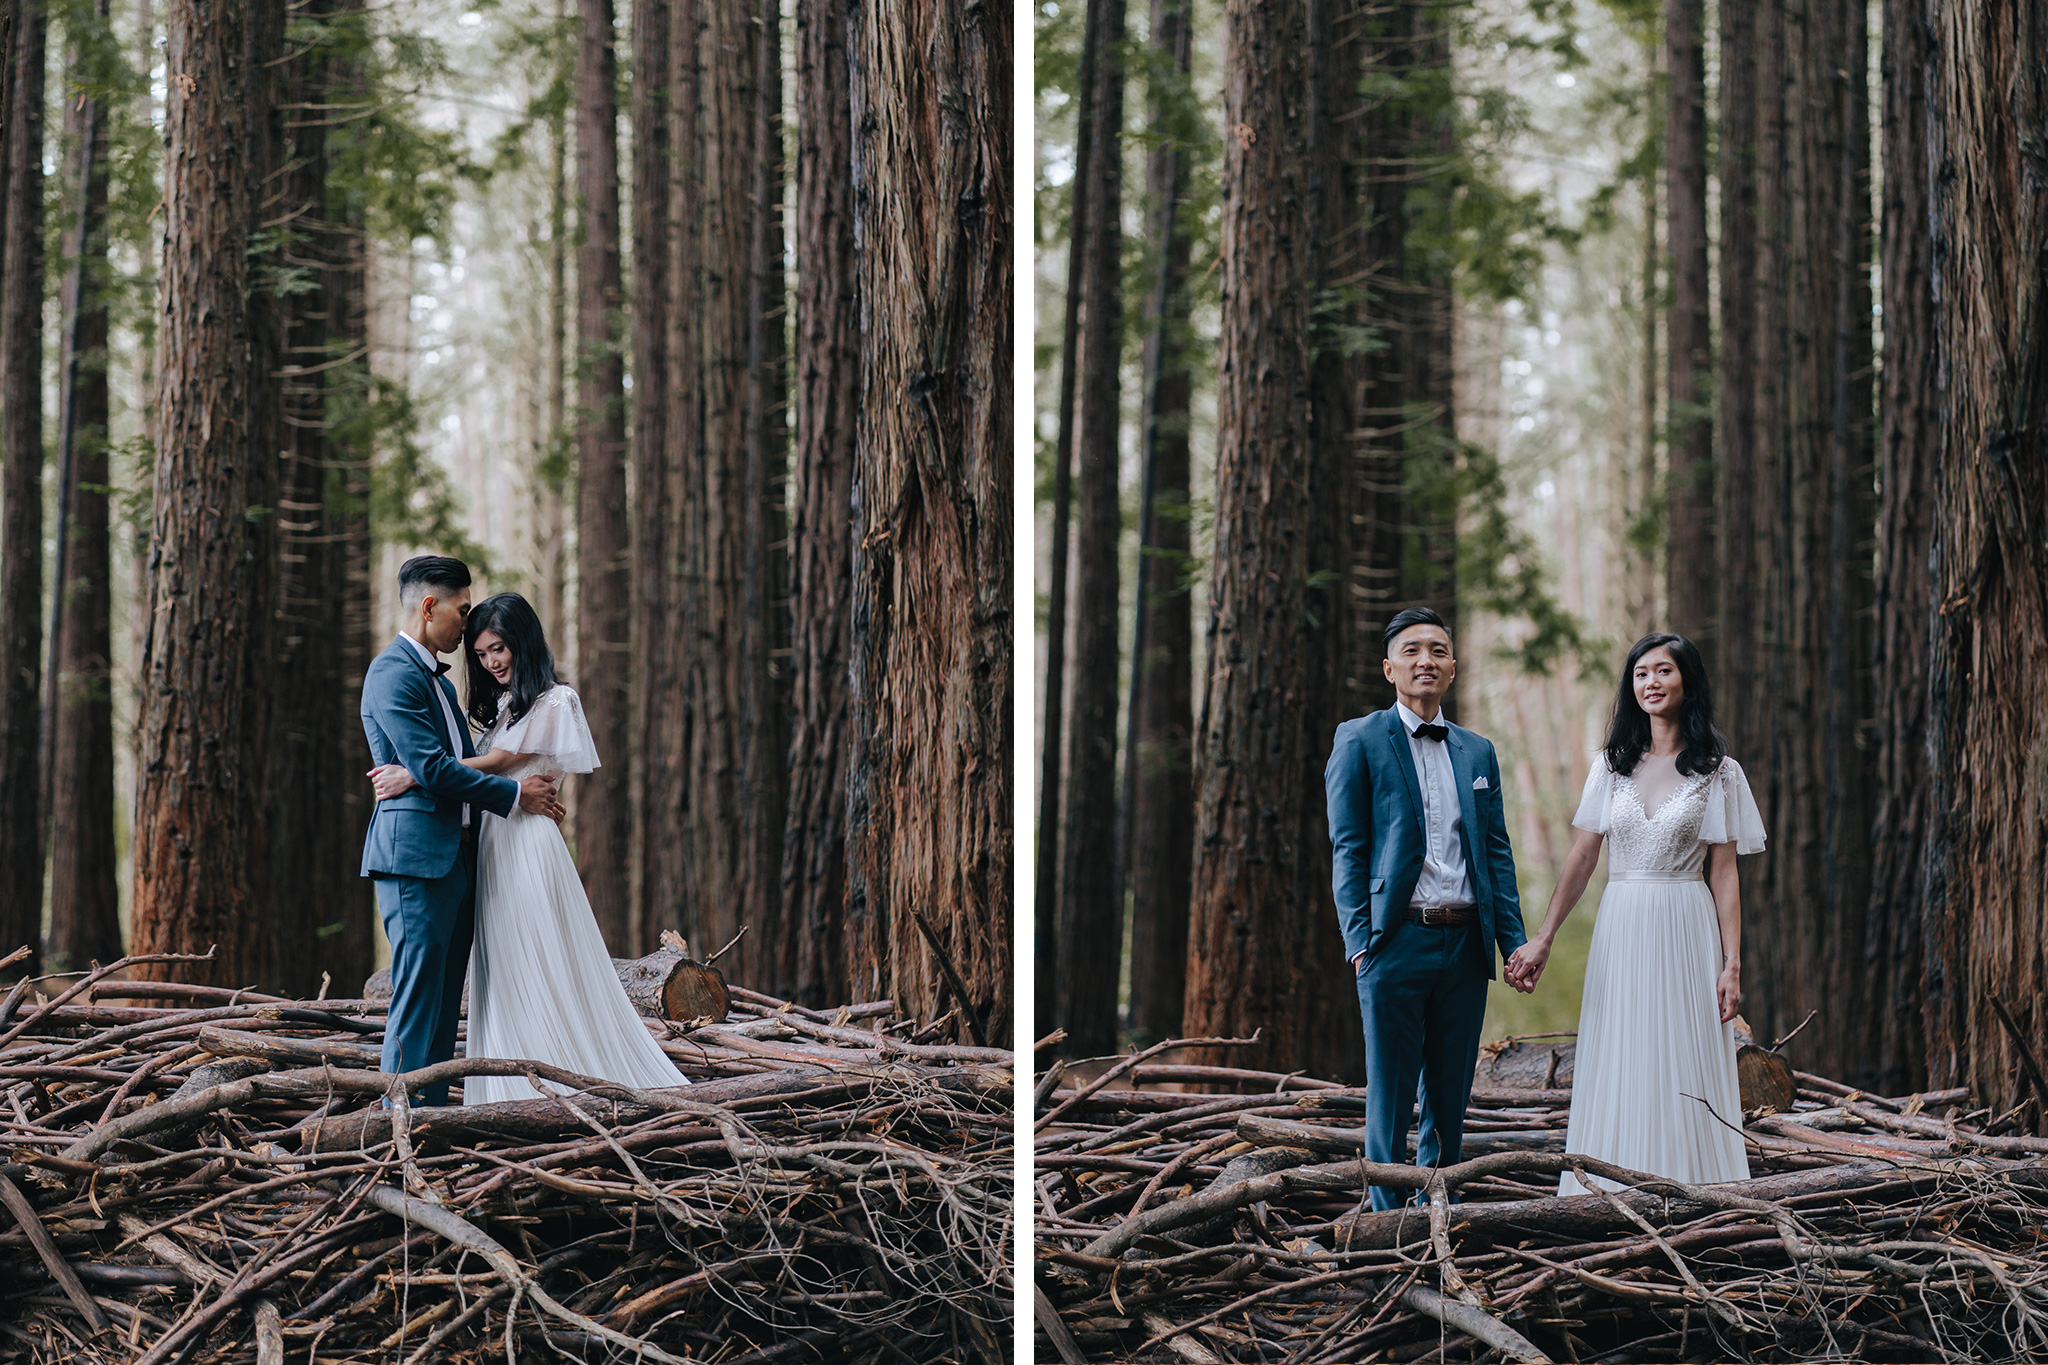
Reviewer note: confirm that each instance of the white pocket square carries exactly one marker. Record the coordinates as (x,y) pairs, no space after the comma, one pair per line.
(1479,784)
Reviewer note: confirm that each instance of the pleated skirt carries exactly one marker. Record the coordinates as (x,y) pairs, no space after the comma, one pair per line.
(1654,1087)
(541,983)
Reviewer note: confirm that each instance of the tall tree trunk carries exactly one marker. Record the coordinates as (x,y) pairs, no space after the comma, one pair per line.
(1264,951)
(1689,429)
(928,792)
(827,410)
(199,867)
(1046,888)
(21,491)
(551,463)
(769,952)
(654,698)
(1988,701)
(1158,760)
(1642,570)
(1797,554)
(1091,913)
(1893,1044)
(604,812)
(85,923)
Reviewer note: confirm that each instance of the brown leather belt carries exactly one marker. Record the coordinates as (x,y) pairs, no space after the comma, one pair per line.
(1449,915)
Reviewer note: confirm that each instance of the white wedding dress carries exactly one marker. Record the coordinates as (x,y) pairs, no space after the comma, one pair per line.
(1651,1043)
(541,983)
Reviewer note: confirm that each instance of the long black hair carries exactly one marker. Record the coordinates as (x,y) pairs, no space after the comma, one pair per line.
(533,663)
(1628,736)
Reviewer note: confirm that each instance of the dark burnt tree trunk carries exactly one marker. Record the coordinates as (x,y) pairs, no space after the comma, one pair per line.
(603,799)
(200,862)
(1801,559)
(1893,1047)
(1158,812)
(1091,914)
(21,490)
(928,791)
(1689,428)
(654,700)
(85,923)
(1430,550)
(769,952)
(827,364)
(1733,661)
(1988,701)
(1051,787)
(1264,951)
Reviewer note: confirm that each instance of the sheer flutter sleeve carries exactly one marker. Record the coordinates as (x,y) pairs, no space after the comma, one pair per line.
(1595,806)
(1732,816)
(554,727)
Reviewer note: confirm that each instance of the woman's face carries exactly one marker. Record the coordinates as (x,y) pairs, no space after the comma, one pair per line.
(494,654)
(1660,690)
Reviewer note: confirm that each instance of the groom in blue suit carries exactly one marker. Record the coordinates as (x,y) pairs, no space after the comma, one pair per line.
(421,848)
(1425,891)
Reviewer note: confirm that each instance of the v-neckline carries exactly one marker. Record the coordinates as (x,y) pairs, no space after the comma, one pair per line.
(1684,780)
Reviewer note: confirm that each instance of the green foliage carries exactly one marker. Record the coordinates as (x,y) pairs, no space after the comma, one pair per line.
(412,502)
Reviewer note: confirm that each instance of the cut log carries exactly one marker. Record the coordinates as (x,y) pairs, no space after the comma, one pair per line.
(1525,1064)
(1765,1078)
(662,985)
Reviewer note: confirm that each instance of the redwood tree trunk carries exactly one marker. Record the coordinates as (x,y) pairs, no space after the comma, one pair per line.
(1795,713)
(1158,812)
(1689,481)
(821,538)
(1264,951)
(1988,684)
(604,815)
(199,863)
(21,492)
(928,792)
(1894,1046)
(1091,913)
(654,700)
(85,920)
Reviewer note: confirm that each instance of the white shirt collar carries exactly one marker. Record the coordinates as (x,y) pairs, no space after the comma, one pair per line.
(1409,720)
(433,661)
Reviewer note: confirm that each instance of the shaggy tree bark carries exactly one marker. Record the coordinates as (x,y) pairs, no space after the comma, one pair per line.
(1799,557)
(928,793)
(821,538)
(200,856)
(1263,950)
(1733,662)
(1158,814)
(21,489)
(1689,481)
(1090,925)
(85,920)
(1893,1047)
(604,816)
(1987,701)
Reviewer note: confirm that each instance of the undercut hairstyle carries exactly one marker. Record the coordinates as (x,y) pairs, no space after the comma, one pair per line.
(438,574)
(1628,735)
(1403,620)
(515,622)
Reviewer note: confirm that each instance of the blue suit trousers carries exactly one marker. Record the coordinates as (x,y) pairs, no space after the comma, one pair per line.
(1422,993)
(431,923)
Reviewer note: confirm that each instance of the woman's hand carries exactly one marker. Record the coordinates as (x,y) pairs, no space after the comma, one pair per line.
(391,779)
(1728,989)
(1526,965)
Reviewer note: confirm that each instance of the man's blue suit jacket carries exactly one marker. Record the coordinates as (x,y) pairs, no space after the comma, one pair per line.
(418,833)
(1376,832)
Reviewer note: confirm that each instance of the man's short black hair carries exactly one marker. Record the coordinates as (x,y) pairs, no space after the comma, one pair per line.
(1413,616)
(421,572)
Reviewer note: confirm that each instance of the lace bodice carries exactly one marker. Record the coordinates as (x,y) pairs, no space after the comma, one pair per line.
(1670,838)
(551,738)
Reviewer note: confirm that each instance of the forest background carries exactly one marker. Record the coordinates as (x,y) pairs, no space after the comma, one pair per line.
(585,297)
(1573,320)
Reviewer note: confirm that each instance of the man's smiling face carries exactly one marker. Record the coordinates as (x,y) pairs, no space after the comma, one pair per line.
(1419,663)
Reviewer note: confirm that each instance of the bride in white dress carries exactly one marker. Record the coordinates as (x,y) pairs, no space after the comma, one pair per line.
(1653,1082)
(541,982)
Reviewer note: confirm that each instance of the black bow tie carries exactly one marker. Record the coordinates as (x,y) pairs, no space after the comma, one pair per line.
(1427,731)
(440,668)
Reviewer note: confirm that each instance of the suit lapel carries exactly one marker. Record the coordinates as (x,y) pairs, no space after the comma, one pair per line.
(448,691)
(1404,759)
(441,685)
(1463,773)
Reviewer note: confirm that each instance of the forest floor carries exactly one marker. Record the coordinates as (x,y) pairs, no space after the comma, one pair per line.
(1228,1222)
(210,1176)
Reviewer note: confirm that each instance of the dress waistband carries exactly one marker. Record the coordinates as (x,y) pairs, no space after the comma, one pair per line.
(1613,877)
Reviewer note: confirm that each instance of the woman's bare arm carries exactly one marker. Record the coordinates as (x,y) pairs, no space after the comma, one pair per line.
(1722,882)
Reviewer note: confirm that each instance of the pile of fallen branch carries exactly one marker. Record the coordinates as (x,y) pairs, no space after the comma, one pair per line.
(204,1175)
(1225,1219)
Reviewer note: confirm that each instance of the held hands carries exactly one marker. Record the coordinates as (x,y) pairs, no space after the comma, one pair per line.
(1728,989)
(1525,966)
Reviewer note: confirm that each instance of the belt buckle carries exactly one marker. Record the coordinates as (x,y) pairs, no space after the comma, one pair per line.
(1435,914)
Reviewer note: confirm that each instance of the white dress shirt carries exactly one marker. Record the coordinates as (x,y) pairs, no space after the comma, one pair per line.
(1445,879)
(448,716)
